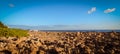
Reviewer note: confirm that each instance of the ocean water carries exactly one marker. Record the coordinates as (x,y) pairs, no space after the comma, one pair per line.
(80,30)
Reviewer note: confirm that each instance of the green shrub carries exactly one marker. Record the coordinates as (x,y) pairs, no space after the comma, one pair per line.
(2,25)
(10,32)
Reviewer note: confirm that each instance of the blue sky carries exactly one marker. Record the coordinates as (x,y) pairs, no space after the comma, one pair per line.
(68,14)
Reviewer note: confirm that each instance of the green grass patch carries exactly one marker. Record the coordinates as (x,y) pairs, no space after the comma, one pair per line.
(12,32)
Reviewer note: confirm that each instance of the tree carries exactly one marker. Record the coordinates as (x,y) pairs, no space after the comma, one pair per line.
(2,25)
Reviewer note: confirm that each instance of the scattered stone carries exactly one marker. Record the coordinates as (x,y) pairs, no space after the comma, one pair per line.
(62,43)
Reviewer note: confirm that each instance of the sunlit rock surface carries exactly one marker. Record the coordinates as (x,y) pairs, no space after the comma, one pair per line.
(62,43)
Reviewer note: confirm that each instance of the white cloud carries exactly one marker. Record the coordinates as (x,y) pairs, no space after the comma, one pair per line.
(11,5)
(93,9)
(109,10)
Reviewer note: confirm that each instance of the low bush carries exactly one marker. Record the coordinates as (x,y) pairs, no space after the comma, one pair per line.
(12,32)
(2,25)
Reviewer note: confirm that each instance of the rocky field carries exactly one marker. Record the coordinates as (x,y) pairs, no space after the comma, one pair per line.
(62,43)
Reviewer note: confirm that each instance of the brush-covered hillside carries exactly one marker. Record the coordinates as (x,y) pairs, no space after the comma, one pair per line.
(11,32)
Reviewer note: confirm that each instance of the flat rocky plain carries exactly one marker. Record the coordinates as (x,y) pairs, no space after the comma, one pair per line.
(62,43)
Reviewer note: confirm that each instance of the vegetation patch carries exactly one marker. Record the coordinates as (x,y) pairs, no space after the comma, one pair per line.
(12,32)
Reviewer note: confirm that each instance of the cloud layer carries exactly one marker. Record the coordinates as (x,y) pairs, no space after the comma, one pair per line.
(93,9)
(11,5)
(109,10)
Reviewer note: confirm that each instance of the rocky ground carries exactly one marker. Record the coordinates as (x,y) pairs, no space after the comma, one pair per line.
(62,43)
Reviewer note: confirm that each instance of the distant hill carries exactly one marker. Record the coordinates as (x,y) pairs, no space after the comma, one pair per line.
(44,27)
(29,27)
(57,27)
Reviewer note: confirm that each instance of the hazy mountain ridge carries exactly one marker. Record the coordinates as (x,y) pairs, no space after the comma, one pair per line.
(57,27)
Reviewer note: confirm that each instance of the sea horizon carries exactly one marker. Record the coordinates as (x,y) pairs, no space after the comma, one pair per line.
(80,30)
